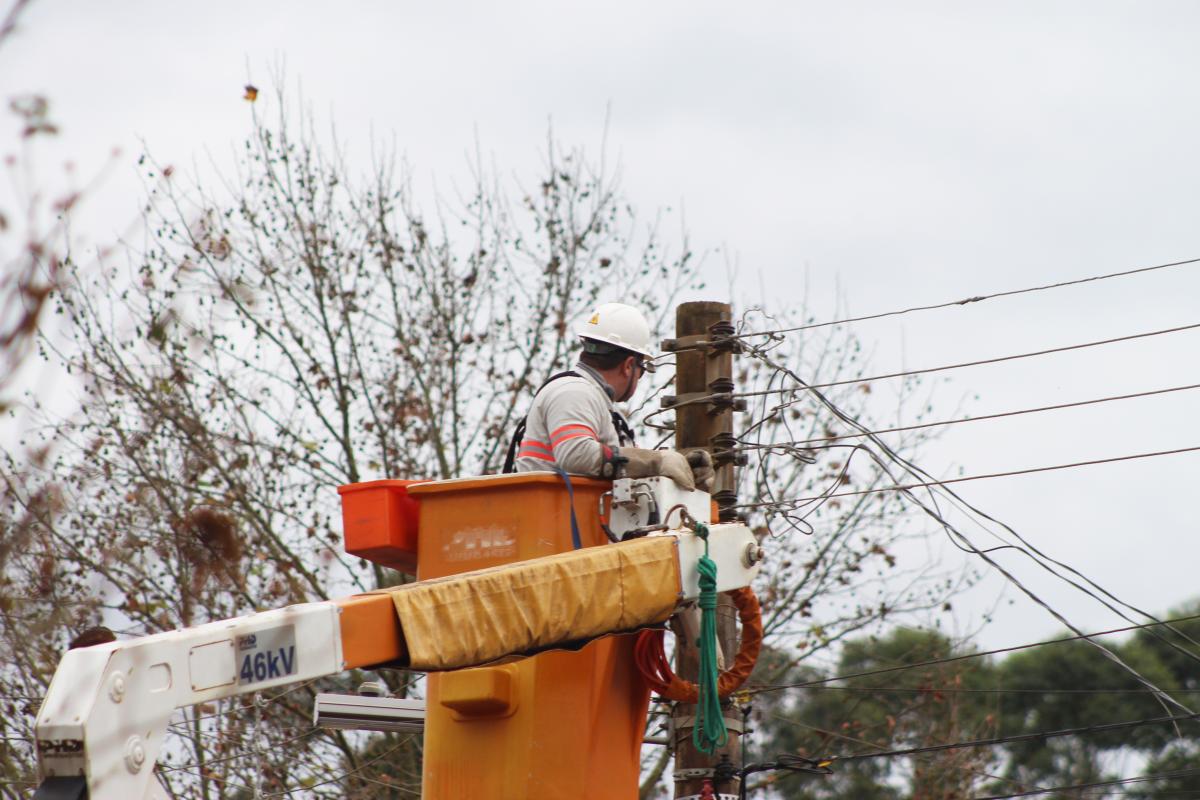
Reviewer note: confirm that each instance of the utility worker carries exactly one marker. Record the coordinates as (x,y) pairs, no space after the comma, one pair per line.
(574,423)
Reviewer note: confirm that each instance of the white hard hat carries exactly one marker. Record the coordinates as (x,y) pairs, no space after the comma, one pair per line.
(619,325)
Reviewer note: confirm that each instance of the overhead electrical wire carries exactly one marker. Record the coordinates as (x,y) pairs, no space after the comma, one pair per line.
(1037,557)
(981,690)
(802,386)
(1026,547)
(1029,549)
(963,479)
(345,775)
(873,745)
(1162,776)
(970,548)
(933,662)
(980,418)
(1036,736)
(961,540)
(969,300)
(235,756)
(826,764)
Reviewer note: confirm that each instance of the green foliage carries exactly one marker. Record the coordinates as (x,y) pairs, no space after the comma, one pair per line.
(1181,762)
(890,711)
(1048,688)
(1061,671)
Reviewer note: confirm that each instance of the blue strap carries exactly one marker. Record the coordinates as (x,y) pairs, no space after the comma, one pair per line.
(562,473)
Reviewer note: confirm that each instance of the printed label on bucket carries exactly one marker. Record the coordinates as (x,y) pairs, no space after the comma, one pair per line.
(480,543)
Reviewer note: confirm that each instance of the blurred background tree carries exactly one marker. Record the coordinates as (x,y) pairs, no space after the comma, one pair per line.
(1046,688)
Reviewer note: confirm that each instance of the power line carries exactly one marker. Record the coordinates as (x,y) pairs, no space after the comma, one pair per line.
(999,415)
(236,708)
(998,690)
(943,368)
(1031,470)
(1002,740)
(969,300)
(856,740)
(1026,547)
(1181,773)
(344,776)
(967,656)
(1020,737)
(236,756)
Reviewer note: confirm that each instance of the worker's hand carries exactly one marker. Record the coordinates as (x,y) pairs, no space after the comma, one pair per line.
(649,463)
(702,468)
(676,467)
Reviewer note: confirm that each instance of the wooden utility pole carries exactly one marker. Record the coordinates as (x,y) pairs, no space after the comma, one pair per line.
(704,407)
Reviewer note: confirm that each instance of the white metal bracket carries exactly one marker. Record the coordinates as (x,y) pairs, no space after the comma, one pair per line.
(642,502)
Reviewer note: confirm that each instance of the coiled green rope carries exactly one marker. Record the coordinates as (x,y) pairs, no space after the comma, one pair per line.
(709,732)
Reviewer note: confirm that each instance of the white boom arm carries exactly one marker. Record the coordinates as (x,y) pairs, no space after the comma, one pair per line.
(106,712)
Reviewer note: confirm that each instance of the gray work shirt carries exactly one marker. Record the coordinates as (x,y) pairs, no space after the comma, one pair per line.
(571,423)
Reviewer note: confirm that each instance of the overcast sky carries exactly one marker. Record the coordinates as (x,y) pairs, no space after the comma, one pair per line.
(897,153)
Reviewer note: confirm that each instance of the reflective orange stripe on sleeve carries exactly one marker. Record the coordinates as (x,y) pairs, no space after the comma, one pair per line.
(572,431)
(535,449)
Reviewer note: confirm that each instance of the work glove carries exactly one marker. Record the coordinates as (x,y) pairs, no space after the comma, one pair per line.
(650,463)
(701,463)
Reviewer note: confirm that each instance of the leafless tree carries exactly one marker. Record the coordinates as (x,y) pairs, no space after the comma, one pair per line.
(299,329)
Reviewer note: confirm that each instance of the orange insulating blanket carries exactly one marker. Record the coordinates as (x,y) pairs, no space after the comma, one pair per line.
(652,660)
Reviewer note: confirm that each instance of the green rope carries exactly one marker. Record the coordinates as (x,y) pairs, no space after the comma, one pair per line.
(709,732)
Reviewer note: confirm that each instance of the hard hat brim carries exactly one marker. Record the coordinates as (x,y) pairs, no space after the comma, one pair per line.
(614,342)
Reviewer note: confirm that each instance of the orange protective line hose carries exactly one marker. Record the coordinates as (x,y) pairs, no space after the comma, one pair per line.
(651,658)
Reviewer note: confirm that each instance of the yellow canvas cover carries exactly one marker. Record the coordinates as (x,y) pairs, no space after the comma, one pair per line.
(477,617)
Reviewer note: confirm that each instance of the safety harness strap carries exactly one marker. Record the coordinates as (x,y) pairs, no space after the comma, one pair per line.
(624,435)
(624,432)
(510,460)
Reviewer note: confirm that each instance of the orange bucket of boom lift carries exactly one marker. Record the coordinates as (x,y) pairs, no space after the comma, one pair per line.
(564,723)
(559,724)
(379,522)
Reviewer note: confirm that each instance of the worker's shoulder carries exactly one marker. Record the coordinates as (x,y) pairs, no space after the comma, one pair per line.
(571,387)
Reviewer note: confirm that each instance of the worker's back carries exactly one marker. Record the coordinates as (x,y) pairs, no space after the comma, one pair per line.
(571,423)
